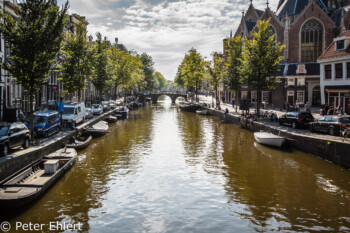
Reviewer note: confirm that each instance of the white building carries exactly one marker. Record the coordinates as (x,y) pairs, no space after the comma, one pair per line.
(335,73)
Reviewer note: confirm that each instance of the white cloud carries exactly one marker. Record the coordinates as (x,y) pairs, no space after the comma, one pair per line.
(165,30)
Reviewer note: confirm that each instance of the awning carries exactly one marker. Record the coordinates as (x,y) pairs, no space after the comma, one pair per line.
(336,91)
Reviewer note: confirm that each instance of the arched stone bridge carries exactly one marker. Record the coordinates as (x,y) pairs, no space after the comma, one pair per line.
(155,96)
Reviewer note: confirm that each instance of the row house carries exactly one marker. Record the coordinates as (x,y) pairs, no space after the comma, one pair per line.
(335,73)
(10,91)
(306,28)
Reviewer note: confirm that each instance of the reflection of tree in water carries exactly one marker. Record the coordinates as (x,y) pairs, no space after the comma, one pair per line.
(280,190)
(83,188)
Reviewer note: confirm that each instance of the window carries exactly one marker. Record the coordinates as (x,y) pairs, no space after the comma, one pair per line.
(328,71)
(291,82)
(253,96)
(301,81)
(348,69)
(311,41)
(339,70)
(244,95)
(301,96)
(265,97)
(340,45)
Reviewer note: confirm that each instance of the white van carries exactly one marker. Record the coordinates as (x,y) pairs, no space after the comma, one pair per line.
(74,112)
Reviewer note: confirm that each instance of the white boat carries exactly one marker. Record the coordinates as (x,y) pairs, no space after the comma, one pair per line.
(202,112)
(269,139)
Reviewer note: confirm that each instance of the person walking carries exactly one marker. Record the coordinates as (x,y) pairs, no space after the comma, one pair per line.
(307,107)
(233,102)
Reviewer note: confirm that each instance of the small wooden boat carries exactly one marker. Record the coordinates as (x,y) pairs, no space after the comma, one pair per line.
(79,145)
(189,107)
(97,130)
(202,112)
(34,180)
(269,139)
(111,119)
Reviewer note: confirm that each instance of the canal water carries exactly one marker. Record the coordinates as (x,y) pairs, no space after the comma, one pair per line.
(164,170)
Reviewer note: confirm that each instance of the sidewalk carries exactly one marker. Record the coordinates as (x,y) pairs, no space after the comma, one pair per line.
(208,100)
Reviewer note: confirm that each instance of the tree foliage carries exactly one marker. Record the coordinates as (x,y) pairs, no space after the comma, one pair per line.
(160,79)
(78,61)
(215,71)
(232,77)
(100,75)
(34,38)
(179,82)
(148,69)
(193,70)
(261,56)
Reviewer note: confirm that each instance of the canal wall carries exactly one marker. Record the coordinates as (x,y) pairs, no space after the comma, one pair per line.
(21,158)
(333,150)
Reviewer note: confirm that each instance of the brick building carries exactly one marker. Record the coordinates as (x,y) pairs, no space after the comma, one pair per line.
(306,28)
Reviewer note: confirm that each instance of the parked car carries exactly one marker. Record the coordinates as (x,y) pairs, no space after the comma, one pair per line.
(13,135)
(89,113)
(296,119)
(105,105)
(74,112)
(332,125)
(97,109)
(46,123)
(112,104)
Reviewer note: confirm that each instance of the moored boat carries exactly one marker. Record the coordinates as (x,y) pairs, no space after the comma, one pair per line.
(97,130)
(269,139)
(202,112)
(34,180)
(189,107)
(111,119)
(78,144)
(123,110)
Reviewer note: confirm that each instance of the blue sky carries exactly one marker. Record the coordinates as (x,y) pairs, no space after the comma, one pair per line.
(165,29)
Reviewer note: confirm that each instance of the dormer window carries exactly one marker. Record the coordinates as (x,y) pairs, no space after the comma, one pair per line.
(340,45)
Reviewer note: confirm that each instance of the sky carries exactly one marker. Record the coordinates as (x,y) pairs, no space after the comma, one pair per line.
(165,29)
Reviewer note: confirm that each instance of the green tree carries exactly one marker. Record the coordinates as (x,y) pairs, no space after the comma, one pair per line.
(148,68)
(77,64)
(232,77)
(179,82)
(193,70)
(114,56)
(160,79)
(215,71)
(100,75)
(261,56)
(34,37)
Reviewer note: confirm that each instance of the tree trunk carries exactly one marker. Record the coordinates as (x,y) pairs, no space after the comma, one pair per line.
(216,95)
(258,100)
(237,98)
(31,112)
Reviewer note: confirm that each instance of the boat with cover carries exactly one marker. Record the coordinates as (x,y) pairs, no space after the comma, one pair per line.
(269,139)
(122,110)
(34,180)
(97,130)
(202,112)
(189,107)
(111,119)
(79,144)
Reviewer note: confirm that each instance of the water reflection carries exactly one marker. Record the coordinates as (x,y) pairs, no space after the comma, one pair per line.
(163,170)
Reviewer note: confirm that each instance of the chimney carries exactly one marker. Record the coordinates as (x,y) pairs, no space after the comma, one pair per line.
(116,40)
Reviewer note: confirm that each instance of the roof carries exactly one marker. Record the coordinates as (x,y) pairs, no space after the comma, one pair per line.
(45,113)
(312,68)
(250,25)
(295,7)
(331,53)
(259,12)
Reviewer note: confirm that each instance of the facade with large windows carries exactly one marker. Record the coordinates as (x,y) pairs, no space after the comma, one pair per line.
(335,73)
(307,29)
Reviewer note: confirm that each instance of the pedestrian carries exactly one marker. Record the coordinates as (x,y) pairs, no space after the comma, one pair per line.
(233,102)
(330,111)
(223,99)
(326,108)
(217,102)
(297,106)
(307,107)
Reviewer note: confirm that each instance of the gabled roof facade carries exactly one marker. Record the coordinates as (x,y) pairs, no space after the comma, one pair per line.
(332,53)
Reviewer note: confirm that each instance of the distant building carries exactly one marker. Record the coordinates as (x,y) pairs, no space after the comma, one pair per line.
(335,73)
